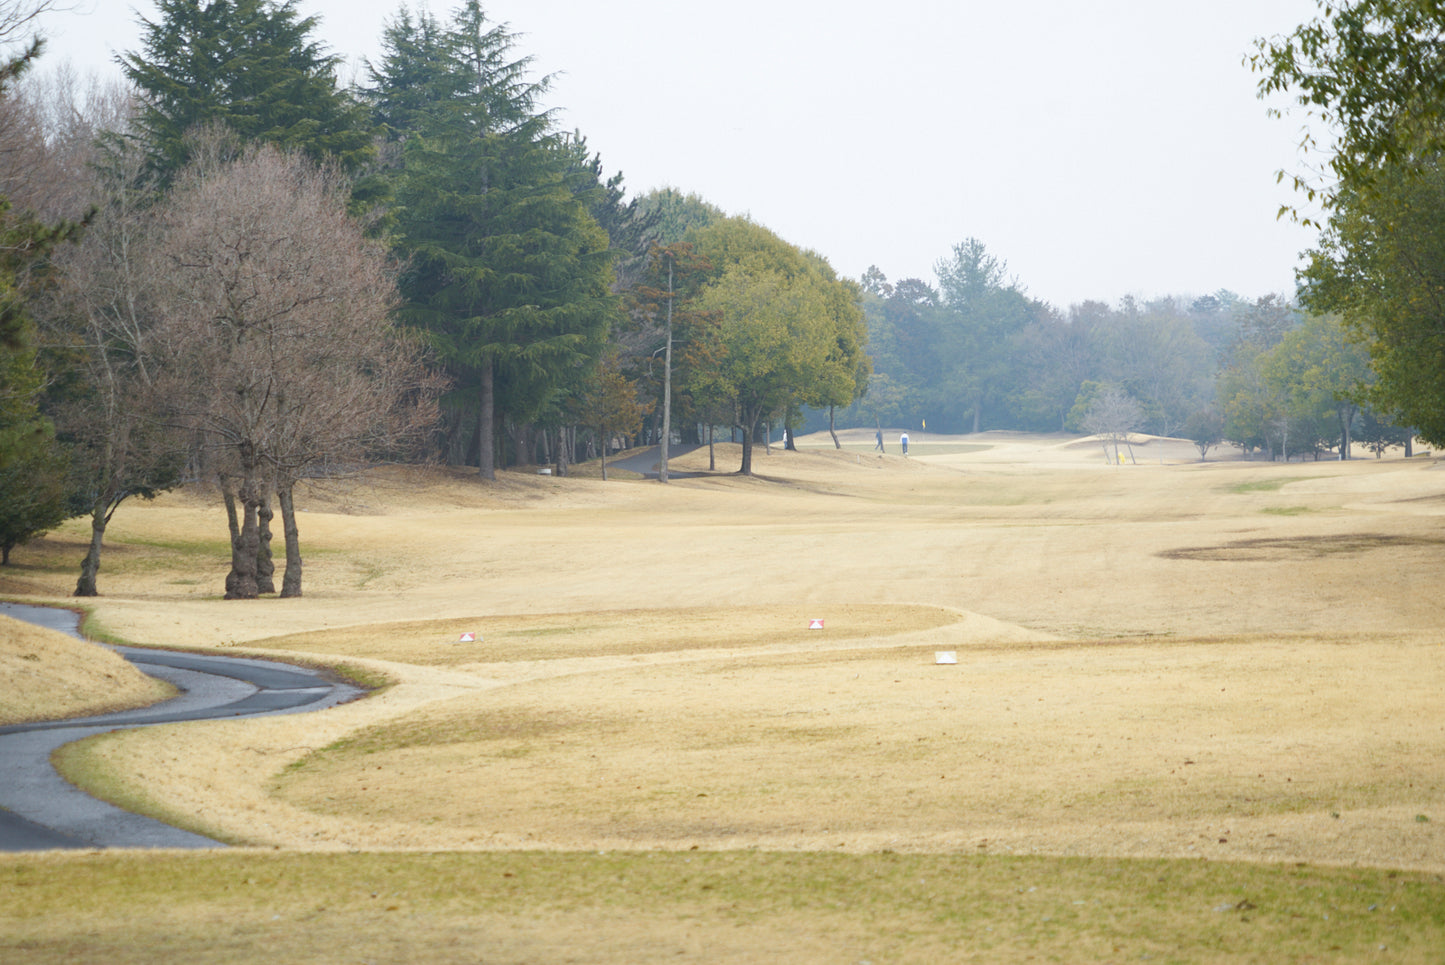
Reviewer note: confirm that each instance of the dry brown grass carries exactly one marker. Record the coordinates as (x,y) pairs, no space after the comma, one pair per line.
(1228,660)
(45,674)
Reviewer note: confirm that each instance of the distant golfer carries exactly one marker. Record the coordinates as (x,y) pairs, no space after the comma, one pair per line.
(879,445)
(903,441)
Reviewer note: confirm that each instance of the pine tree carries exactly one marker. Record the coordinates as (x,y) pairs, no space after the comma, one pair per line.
(32,498)
(250,65)
(509,273)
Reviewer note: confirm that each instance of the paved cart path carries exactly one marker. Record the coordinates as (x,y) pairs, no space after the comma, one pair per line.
(41,810)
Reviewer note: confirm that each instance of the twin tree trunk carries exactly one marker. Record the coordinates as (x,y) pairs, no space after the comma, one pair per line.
(246,537)
(249,515)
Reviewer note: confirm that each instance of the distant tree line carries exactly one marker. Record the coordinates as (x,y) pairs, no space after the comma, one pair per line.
(972,352)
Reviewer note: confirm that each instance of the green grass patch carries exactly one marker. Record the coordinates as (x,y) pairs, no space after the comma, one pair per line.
(211,907)
(1265,485)
(1288,510)
(209,548)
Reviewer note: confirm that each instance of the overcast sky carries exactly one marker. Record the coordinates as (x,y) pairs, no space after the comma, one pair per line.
(1102,148)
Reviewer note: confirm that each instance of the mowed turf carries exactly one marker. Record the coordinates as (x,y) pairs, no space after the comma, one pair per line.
(1156,664)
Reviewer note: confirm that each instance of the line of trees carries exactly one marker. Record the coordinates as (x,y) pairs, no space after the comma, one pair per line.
(972,352)
(235,270)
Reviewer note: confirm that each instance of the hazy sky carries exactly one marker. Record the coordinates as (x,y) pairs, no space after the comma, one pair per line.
(1101,148)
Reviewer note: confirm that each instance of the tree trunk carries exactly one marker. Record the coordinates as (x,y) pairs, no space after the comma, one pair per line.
(711,452)
(604,458)
(1347,415)
(90,566)
(228,496)
(833,431)
(241,581)
(291,579)
(486,423)
(977,416)
(750,422)
(563,456)
(265,564)
(105,503)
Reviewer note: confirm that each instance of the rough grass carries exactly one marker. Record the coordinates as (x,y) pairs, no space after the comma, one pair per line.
(727,907)
(45,674)
(1152,670)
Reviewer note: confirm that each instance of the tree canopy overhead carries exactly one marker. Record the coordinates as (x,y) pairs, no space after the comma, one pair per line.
(1370,72)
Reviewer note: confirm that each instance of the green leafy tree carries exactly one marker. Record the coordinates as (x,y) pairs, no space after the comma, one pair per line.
(610,406)
(1379,433)
(1154,351)
(1320,375)
(787,329)
(661,307)
(1369,73)
(1249,405)
(906,326)
(674,213)
(1204,428)
(1381,266)
(250,65)
(417,75)
(989,311)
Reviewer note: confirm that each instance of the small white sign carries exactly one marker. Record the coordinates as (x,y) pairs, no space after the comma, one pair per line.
(945,656)
(467,638)
(815,624)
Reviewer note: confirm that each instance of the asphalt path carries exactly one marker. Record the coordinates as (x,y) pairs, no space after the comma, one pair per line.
(648,462)
(40,810)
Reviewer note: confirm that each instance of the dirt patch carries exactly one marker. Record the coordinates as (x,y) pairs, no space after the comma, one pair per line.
(1278,549)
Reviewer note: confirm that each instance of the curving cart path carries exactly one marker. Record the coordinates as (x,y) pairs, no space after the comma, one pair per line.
(41,810)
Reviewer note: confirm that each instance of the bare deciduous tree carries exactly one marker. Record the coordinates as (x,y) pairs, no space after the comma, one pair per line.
(101,321)
(275,314)
(1113,415)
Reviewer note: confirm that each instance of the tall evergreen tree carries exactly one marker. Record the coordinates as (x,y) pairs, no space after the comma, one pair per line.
(31,470)
(251,65)
(508,271)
